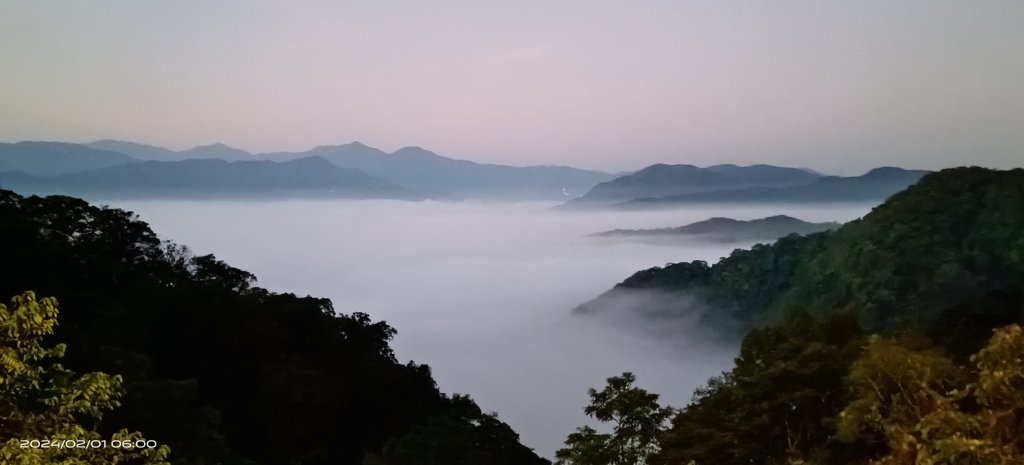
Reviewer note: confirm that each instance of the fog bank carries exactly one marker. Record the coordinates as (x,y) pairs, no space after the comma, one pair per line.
(482,293)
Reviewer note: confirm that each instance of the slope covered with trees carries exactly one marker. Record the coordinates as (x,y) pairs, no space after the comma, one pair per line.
(49,413)
(823,392)
(222,371)
(946,251)
(894,340)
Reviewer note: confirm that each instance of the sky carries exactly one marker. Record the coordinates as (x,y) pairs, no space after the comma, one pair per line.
(838,86)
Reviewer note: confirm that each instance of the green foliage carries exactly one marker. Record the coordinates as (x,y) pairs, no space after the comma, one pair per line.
(638,424)
(946,252)
(776,405)
(942,261)
(585,447)
(927,410)
(471,438)
(222,371)
(807,392)
(40,399)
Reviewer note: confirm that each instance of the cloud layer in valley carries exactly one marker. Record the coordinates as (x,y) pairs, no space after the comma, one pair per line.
(483,293)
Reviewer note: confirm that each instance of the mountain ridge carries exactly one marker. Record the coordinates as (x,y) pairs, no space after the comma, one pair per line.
(721,229)
(42,158)
(665,180)
(214,178)
(875,185)
(947,250)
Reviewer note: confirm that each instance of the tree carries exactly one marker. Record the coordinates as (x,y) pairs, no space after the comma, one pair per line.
(638,424)
(466,436)
(220,370)
(925,410)
(775,405)
(585,447)
(40,399)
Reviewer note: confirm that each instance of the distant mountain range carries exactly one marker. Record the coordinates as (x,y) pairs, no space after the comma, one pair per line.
(727,229)
(661,180)
(212,178)
(669,186)
(53,158)
(876,185)
(425,171)
(111,167)
(152,152)
(61,168)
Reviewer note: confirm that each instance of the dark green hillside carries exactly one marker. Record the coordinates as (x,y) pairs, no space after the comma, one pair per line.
(225,372)
(947,252)
(813,385)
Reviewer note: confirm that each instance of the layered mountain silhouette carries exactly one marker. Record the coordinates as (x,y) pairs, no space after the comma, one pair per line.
(875,185)
(152,152)
(356,170)
(213,178)
(661,180)
(425,171)
(666,186)
(413,168)
(53,158)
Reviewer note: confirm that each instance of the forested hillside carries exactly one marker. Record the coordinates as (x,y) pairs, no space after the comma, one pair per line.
(893,340)
(222,371)
(948,251)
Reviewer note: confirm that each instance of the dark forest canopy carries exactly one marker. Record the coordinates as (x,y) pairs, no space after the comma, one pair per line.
(226,372)
(946,252)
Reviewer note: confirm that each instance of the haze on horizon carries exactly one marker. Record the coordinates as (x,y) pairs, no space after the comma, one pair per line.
(835,86)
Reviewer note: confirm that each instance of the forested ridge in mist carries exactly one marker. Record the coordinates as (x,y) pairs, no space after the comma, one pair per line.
(892,340)
(219,370)
(947,248)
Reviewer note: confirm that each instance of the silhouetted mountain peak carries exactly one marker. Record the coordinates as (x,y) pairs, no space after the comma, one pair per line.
(663,180)
(888,172)
(44,158)
(215,146)
(415,151)
(217,150)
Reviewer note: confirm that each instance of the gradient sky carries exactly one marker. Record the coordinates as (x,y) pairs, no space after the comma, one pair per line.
(838,86)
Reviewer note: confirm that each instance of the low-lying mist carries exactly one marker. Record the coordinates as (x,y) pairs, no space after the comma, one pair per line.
(482,293)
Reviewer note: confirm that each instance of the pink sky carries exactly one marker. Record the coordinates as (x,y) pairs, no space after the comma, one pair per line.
(837,86)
